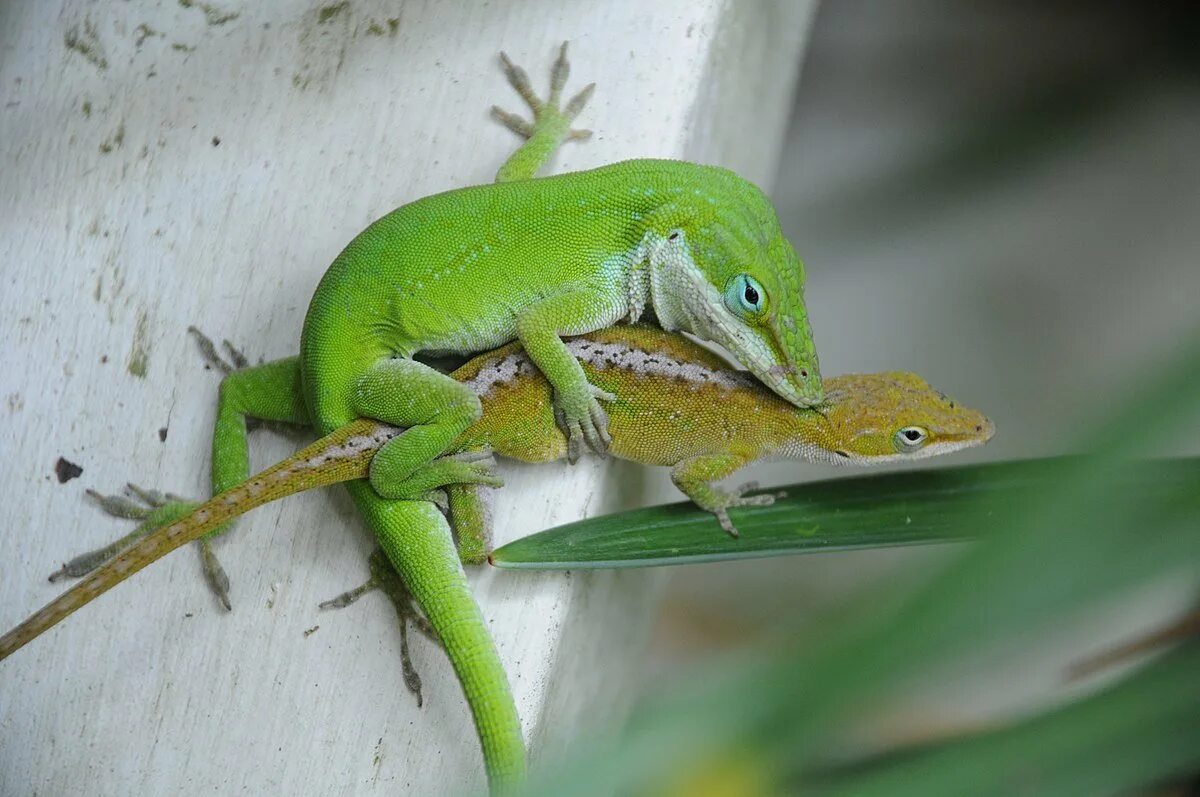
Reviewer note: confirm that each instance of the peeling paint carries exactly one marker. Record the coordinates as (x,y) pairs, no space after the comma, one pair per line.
(326,13)
(139,352)
(212,14)
(86,43)
(143,32)
(115,140)
(328,41)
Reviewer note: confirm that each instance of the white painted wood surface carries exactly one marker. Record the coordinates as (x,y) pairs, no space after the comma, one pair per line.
(201,163)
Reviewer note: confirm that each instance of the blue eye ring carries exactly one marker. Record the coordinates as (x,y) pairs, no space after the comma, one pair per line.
(744,295)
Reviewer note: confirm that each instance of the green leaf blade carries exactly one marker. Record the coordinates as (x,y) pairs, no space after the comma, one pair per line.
(882,510)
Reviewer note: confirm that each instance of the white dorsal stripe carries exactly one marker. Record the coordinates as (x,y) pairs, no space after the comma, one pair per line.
(609,355)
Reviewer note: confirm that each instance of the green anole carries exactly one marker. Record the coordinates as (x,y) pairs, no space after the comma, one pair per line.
(674,403)
(697,248)
(531,259)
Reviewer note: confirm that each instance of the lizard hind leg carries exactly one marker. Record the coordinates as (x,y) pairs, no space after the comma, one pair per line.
(269,392)
(551,124)
(152,508)
(467,506)
(444,471)
(469,511)
(434,409)
(385,578)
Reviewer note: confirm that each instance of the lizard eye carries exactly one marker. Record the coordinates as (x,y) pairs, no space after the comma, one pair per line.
(910,438)
(745,296)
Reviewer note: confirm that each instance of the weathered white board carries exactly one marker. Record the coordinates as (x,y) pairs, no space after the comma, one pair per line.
(201,163)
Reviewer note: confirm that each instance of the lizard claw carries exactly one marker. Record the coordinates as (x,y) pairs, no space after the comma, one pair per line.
(150,507)
(726,523)
(214,574)
(736,498)
(438,498)
(208,350)
(384,577)
(584,421)
(546,112)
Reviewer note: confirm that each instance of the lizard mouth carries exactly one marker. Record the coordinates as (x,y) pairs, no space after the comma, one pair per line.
(796,382)
(762,355)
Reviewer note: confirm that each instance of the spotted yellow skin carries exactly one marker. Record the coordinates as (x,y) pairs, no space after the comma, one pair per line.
(535,259)
(680,405)
(675,404)
(661,419)
(695,406)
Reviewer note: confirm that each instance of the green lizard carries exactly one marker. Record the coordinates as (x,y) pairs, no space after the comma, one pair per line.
(533,259)
(695,248)
(674,403)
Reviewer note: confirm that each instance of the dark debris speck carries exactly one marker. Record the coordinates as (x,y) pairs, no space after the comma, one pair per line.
(66,470)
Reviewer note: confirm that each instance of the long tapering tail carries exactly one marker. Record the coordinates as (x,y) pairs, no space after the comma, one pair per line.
(340,456)
(417,539)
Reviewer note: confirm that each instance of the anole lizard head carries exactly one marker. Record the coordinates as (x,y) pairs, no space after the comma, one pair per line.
(888,417)
(721,269)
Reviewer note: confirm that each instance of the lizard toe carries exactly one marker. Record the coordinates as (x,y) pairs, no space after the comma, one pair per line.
(214,574)
(726,523)
(574,441)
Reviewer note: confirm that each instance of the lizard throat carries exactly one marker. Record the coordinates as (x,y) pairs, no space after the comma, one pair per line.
(677,287)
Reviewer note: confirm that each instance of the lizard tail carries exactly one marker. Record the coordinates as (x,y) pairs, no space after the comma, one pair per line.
(417,539)
(342,455)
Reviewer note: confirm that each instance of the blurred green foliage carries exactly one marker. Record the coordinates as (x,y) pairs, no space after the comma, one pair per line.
(1052,537)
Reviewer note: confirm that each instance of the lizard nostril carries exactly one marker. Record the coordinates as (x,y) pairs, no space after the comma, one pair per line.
(804,373)
(979,427)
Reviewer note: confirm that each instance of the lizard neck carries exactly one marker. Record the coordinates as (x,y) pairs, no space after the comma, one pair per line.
(809,440)
(638,289)
(675,285)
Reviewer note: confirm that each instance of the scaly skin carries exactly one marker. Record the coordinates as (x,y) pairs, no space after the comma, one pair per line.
(675,404)
(679,405)
(526,259)
(530,259)
(534,260)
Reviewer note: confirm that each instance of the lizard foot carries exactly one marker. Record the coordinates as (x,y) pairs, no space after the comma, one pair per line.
(738,497)
(546,114)
(236,361)
(581,418)
(208,349)
(152,508)
(470,467)
(385,577)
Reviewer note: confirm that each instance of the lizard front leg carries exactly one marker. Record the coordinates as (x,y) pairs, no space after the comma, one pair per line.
(576,401)
(695,476)
(435,410)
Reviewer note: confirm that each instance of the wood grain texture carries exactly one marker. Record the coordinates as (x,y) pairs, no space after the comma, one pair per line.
(201,164)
